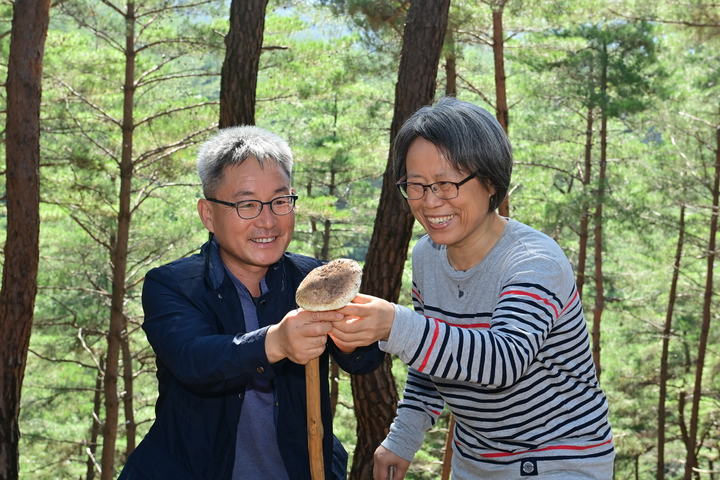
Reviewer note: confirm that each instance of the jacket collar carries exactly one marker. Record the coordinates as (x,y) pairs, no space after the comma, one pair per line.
(215,269)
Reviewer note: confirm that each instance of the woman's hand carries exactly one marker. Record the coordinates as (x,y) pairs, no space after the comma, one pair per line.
(384,459)
(366,320)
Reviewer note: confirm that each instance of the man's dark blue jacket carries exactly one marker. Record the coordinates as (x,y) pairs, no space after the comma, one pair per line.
(205,357)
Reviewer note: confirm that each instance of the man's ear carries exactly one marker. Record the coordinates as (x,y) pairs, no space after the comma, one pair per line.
(205,212)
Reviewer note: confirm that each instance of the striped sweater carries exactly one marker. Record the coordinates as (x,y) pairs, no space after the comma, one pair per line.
(505,347)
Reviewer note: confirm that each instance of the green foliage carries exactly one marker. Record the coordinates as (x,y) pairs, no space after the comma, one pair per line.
(611,65)
(339,142)
(379,22)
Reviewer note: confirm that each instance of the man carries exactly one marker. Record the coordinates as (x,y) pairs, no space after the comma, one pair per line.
(229,341)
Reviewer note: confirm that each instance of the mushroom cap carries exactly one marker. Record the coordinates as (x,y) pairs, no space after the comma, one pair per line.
(330,286)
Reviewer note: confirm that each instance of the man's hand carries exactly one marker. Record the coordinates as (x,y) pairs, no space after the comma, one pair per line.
(300,336)
(383,460)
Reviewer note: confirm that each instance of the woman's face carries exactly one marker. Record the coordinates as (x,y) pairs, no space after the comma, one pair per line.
(458,222)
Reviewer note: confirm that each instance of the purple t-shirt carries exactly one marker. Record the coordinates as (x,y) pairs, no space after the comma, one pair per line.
(256,450)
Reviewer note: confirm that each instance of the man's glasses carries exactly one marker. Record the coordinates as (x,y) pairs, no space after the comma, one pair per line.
(442,190)
(249,209)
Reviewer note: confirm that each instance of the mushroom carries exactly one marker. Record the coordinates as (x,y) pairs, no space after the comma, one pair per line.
(327,287)
(330,286)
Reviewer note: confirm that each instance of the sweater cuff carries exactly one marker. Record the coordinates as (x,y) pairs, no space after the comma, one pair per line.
(401,334)
(407,433)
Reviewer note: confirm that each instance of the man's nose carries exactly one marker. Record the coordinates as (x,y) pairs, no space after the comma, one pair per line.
(266,218)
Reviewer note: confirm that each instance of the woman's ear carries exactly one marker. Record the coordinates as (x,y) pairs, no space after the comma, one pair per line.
(489,187)
(493,204)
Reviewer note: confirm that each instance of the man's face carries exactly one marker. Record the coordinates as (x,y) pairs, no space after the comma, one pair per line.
(248,247)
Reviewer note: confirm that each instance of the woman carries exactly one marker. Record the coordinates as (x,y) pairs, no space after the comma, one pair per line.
(498,333)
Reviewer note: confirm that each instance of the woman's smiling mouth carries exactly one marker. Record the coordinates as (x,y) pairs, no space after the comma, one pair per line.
(440,220)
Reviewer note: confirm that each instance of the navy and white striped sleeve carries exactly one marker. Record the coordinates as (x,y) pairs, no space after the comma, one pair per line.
(494,353)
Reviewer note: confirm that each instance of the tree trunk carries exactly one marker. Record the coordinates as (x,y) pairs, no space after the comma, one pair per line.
(691,458)
(128,394)
(447,455)
(325,255)
(327,223)
(711,468)
(238,80)
(598,219)
(375,394)
(91,464)
(682,422)
(326,234)
(119,255)
(502,112)
(662,397)
(450,65)
(599,281)
(334,386)
(19,280)
(585,213)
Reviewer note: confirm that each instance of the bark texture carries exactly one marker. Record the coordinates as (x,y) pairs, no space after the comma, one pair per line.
(238,81)
(450,65)
(501,107)
(502,111)
(19,281)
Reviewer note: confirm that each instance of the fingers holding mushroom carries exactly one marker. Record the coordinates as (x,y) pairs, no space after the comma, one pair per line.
(300,336)
(329,287)
(366,320)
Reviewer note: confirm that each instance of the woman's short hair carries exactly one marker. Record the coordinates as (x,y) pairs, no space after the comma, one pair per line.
(232,146)
(468,136)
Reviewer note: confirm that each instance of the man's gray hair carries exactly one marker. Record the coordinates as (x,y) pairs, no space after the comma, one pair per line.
(232,146)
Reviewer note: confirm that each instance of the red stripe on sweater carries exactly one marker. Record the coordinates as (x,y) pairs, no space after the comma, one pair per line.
(570,302)
(554,447)
(461,325)
(532,295)
(436,333)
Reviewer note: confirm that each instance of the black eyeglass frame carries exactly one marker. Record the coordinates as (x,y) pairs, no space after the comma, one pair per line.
(262,204)
(402,186)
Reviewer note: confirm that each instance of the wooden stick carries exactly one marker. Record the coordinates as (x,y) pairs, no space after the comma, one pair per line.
(314,420)
(447,457)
